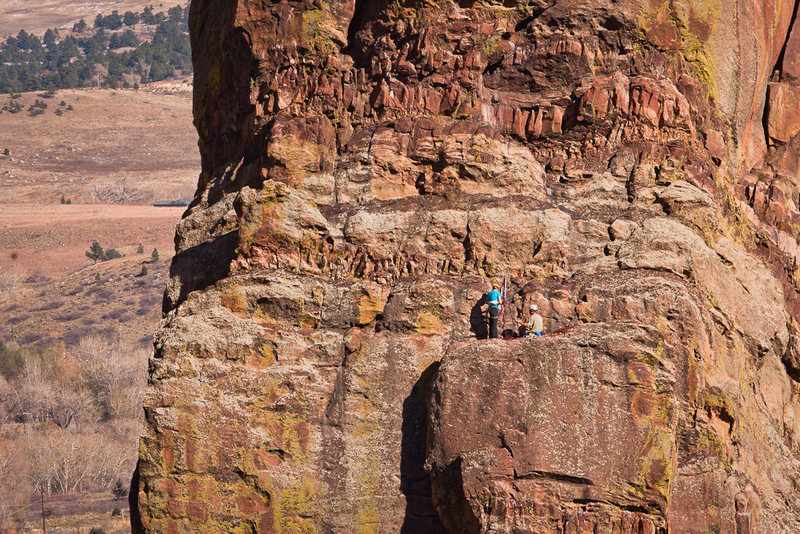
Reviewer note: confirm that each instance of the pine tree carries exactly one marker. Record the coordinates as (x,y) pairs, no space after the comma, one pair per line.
(119,490)
(96,252)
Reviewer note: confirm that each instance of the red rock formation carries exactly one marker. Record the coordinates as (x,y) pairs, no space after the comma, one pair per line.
(631,166)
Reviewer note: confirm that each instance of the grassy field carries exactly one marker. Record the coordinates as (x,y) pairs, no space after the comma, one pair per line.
(140,142)
(59,294)
(131,147)
(36,16)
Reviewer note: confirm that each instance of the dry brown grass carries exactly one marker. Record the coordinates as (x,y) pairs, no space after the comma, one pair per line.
(143,138)
(54,238)
(111,298)
(38,15)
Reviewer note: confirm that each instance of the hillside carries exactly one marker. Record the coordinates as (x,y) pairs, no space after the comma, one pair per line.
(137,144)
(128,148)
(36,16)
(79,166)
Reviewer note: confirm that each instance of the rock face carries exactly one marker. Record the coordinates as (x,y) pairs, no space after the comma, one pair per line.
(631,166)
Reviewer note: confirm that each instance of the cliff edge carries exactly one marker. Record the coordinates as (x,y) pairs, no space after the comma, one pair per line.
(630,166)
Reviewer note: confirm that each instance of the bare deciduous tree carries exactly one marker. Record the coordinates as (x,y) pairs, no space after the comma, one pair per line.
(14,486)
(116,193)
(9,283)
(74,417)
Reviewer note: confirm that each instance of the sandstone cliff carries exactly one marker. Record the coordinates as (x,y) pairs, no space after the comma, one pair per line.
(631,166)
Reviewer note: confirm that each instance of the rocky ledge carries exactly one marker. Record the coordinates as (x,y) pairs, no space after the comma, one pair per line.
(630,166)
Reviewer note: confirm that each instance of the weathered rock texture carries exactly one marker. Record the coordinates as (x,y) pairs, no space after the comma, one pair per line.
(631,166)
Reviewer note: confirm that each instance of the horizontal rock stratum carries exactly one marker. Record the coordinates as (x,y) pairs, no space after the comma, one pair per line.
(369,167)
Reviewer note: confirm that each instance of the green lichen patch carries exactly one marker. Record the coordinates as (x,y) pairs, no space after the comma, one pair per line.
(318,30)
(428,323)
(687,29)
(295,507)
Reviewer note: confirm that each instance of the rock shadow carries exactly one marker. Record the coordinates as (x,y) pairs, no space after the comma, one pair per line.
(420,516)
(477,320)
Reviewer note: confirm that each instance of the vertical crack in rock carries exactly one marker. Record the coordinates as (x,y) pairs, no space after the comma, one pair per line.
(778,68)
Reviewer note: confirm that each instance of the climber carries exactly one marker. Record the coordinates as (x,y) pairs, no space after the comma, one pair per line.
(494,299)
(535,324)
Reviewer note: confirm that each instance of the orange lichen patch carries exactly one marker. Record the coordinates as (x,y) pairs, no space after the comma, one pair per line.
(233,300)
(168,453)
(372,304)
(262,356)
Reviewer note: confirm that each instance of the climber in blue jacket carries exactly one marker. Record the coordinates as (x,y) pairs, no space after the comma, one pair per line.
(494,298)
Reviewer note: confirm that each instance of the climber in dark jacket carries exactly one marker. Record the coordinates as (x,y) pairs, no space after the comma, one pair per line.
(494,299)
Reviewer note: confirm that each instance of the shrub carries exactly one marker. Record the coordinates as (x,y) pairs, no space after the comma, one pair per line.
(70,315)
(52,305)
(114,314)
(11,361)
(119,490)
(97,530)
(96,252)
(116,512)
